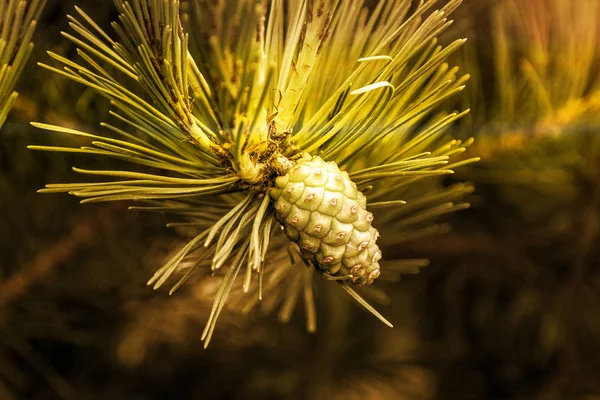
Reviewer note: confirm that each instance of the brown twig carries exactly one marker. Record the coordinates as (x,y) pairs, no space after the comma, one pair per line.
(81,235)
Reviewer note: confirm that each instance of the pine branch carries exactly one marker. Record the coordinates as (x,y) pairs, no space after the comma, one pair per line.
(221,106)
(17,25)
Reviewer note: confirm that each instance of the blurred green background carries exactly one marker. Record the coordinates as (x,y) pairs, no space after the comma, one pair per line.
(506,310)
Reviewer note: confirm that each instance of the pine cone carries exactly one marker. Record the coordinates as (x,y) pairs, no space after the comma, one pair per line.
(321,209)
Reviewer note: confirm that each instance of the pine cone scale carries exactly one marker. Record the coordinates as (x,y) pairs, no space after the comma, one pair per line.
(322,210)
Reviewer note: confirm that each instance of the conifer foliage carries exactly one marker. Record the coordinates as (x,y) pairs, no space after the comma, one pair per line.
(17,24)
(220,106)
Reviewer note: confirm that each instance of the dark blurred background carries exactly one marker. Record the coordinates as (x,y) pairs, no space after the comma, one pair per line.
(506,310)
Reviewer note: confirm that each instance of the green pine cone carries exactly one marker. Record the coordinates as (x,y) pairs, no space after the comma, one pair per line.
(321,209)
